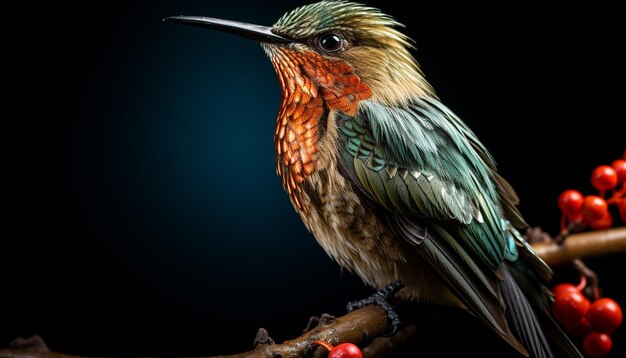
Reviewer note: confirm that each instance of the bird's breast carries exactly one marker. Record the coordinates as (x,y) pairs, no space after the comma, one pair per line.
(358,239)
(313,87)
(348,230)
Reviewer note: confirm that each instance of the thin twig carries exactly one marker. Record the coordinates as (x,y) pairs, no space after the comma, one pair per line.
(593,283)
(572,228)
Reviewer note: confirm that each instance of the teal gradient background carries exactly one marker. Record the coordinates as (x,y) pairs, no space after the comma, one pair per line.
(144,214)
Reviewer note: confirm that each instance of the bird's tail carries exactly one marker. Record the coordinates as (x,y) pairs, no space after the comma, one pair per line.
(530,319)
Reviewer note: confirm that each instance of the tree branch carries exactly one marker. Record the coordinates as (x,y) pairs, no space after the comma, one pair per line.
(583,245)
(362,326)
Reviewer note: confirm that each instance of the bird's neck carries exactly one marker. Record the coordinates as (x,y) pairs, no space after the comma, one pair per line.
(393,75)
(312,88)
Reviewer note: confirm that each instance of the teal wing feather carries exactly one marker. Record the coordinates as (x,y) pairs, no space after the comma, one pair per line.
(423,161)
(439,189)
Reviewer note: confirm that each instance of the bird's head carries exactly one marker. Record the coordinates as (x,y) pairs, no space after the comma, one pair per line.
(339,50)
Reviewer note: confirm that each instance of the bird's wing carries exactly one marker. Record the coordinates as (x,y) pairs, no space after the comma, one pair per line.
(437,188)
(423,161)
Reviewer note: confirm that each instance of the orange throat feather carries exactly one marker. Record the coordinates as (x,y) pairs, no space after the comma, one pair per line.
(312,87)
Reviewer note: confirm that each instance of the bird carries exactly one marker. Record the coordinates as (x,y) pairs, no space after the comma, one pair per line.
(391,183)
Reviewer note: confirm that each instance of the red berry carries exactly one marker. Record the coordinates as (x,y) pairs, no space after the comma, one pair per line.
(345,350)
(578,328)
(620,168)
(622,209)
(604,315)
(604,177)
(597,344)
(576,217)
(570,307)
(571,202)
(594,207)
(604,222)
(563,288)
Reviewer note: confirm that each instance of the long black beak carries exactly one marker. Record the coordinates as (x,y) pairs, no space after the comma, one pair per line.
(250,31)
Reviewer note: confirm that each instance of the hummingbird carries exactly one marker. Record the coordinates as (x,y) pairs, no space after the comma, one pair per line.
(392,184)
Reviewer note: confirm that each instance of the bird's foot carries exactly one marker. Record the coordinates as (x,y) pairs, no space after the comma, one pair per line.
(381,298)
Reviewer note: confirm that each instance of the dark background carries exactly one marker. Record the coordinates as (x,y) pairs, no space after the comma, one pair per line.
(143,215)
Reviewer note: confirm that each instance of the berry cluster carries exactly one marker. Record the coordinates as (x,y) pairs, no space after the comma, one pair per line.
(593,210)
(579,317)
(592,320)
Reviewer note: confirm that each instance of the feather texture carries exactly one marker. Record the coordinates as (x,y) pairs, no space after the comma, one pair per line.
(440,192)
(446,178)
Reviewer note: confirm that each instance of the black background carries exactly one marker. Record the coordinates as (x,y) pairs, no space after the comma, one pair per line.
(143,216)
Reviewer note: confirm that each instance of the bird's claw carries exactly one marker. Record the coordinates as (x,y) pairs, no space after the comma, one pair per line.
(380,298)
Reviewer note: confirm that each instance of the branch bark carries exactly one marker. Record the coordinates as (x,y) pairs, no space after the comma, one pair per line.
(363,325)
(583,245)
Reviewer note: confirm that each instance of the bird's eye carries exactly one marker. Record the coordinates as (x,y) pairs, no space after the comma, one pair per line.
(331,42)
